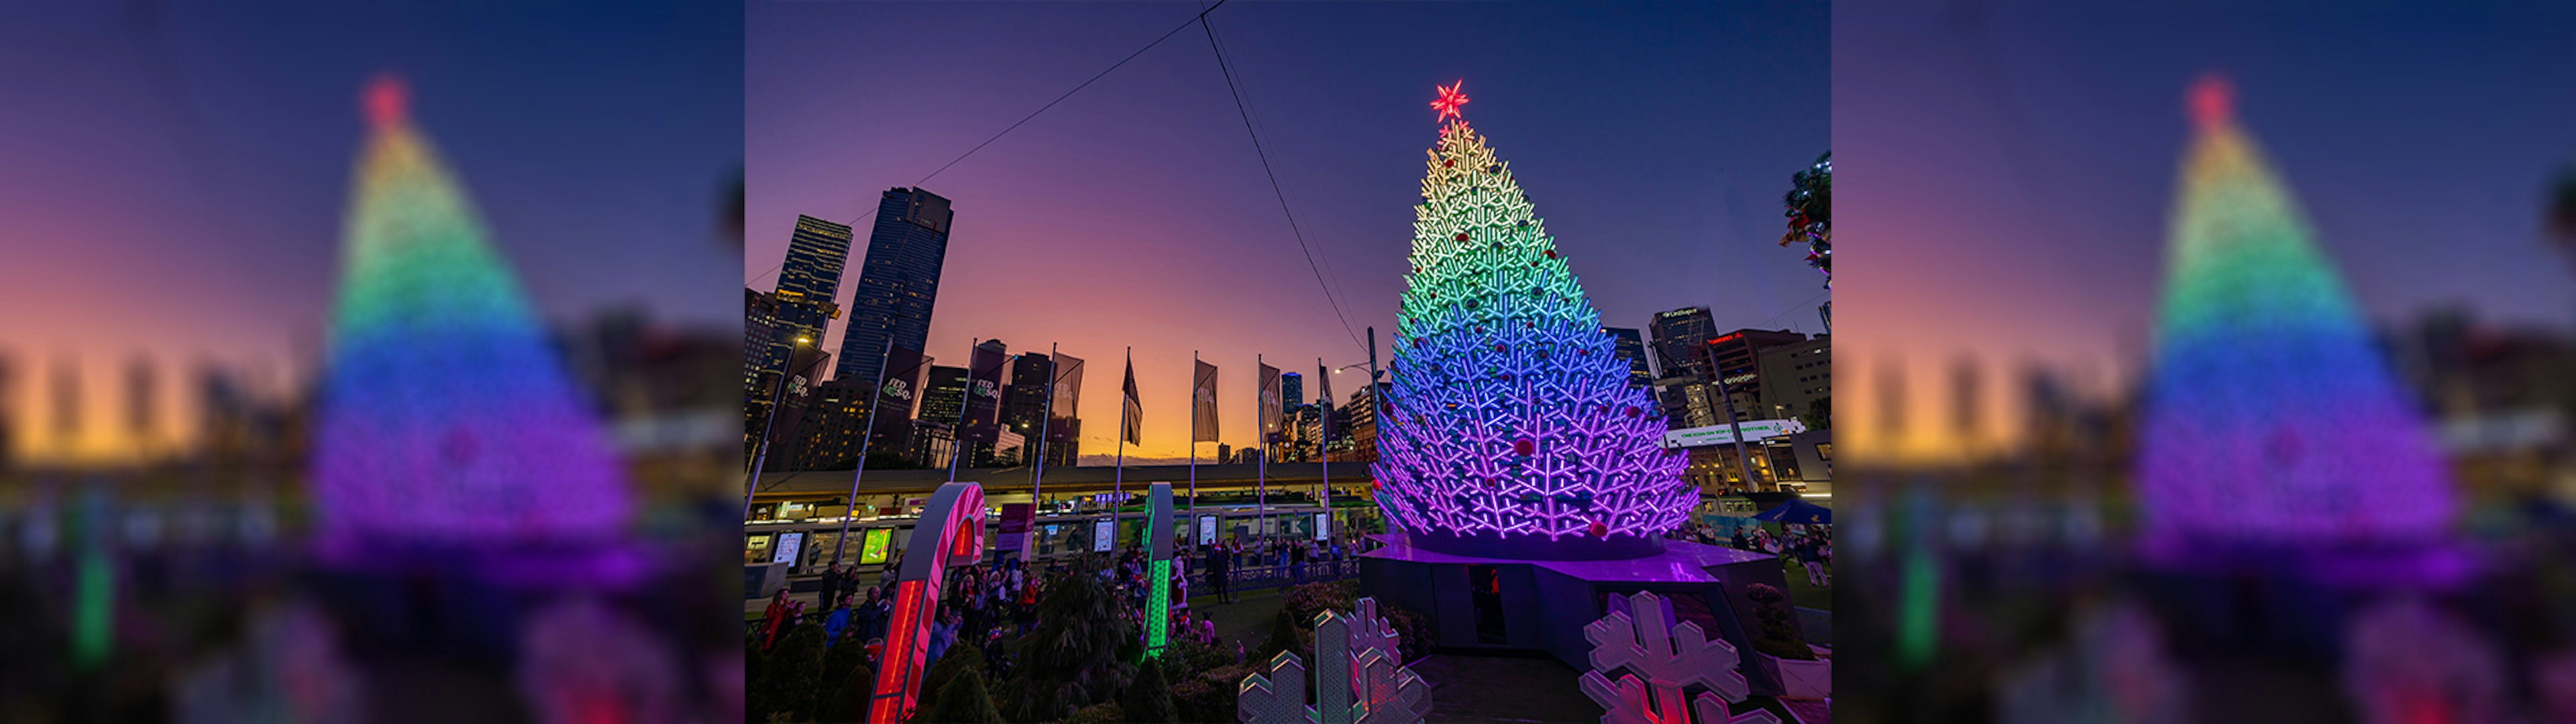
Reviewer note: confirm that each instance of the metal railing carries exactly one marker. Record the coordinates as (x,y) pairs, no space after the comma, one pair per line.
(1254,578)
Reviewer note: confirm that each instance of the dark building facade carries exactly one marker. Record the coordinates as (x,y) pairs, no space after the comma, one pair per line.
(1679,338)
(944,397)
(1795,377)
(1632,347)
(1736,357)
(898,281)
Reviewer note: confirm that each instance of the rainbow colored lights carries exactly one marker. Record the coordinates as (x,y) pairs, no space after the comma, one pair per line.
(446,418)
(1510,414)
(2270,417)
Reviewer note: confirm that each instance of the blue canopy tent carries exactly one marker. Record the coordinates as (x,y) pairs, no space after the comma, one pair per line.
(1797,512)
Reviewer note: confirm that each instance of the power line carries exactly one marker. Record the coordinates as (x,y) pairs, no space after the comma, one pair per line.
(1230,87)
(1068,94)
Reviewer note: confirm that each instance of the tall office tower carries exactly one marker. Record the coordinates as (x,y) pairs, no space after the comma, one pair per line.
(1024,401)
(759,372)
(1631,346)
(1736,356)
(944,398)
(898,281)
(802,305)
(1680,337)
(1292,392)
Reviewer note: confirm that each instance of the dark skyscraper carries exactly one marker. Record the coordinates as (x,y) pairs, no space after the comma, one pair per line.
(1632,347)
(945,396)
(800,307)
(898,281)
(1679,335)
(1292,392)
(1024,401)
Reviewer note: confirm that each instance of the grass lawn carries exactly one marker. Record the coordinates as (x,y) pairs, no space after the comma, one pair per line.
(1806,596)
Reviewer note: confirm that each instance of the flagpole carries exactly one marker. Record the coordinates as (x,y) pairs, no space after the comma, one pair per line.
(957,435)
(1194,444)
(1261,472)
(868,434)
(1324,412)
(1118,480)
(1046,421)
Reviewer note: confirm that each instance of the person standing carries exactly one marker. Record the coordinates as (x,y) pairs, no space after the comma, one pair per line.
(831,587)
(1218,568)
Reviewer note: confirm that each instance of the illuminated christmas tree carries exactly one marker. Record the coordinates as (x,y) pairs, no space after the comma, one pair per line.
(446,419)
(1510,416)
(2271,418)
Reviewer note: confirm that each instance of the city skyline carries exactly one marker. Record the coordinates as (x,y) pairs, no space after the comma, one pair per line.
(1136,213)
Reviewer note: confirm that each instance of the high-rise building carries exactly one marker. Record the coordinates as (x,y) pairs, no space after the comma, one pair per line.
(1736,355)
(1632,347)
(1680,339)
(898,280)
(944,398)
(1305,429)
(802,304)
(1795,377)
(1355,428)
(828,435)
(759,331)
(1292,392)
(1024,399)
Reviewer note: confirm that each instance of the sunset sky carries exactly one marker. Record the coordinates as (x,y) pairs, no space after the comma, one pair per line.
(174,180)
(1656,140)
(2007,178)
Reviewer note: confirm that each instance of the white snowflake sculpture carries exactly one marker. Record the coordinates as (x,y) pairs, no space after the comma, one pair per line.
(2405,660)
(581,660)
(1374,687)
(1638,640)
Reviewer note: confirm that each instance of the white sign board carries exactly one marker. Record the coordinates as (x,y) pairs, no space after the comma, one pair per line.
(1723,434)
(783,549)
(1103,531)
(1323,526)
(1207,530)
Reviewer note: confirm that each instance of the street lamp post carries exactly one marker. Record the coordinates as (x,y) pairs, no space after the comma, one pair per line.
(760,458)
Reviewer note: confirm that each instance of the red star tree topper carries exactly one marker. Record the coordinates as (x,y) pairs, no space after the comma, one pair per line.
(1450,100)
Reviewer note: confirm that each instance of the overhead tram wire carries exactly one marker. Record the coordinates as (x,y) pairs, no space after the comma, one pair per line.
(1228,71)
(1200,18)
(1332,280)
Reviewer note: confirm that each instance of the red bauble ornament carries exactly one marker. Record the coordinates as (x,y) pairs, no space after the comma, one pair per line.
(1551,253)
(1449,163)
(1599,530)
(1502,348)
(1524,447)
(1633,411)
(1462,236)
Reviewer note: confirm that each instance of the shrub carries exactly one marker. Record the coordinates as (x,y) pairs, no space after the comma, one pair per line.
(957,659)
(1285,635)
(789,675)
(849,700)
(1100,714)
(1210,696)
(1148,698)
(1779,635)
(1187,656)
(964,701)
(1412,628)
(838,661)
(1306,601)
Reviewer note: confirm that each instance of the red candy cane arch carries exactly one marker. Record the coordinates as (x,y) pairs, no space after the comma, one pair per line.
(949,533)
